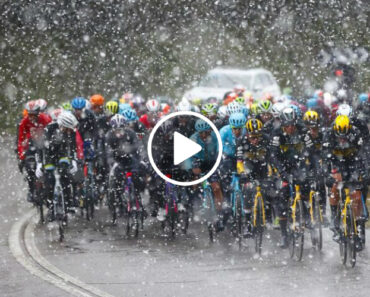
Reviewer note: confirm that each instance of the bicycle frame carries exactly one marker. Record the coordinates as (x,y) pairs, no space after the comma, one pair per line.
(347,201)
(206,186)
(235,185)
(170,192)
(129,192)
(294,205)
(312,196)
(257,197)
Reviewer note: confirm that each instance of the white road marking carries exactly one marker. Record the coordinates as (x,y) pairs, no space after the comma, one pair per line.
(23,247)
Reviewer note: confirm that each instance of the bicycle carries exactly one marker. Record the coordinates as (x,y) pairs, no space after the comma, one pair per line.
(258,218)
(173,217)
(209,209)
(134,207)
(316,216)
(59,209)
(347,228)
(296,225)
(237,206)
(87,200)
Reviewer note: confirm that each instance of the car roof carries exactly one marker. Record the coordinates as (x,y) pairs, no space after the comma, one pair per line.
(240,71)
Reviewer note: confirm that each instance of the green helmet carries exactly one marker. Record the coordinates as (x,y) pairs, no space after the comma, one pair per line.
(209,109)
(240,100)
(265,106)
(67,106)
(111,107)
(256,109)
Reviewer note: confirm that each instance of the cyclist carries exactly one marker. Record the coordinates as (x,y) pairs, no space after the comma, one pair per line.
(344,159)
(313,142)
(287,148)
(184,124)
(230,135)
(59,152)
(151,117)
(30,139)
(133,123)
(210,111)
(124,145)
(253,157)
(265,115)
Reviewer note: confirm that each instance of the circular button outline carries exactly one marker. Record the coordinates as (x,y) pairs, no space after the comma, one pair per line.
(170,180)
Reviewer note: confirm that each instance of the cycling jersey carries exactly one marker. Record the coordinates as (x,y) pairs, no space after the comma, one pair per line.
(229,141)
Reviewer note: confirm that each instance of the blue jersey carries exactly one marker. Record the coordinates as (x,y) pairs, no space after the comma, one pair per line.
(229,140)
(209,151)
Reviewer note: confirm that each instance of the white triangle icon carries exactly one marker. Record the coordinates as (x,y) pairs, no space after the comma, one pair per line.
(183,148)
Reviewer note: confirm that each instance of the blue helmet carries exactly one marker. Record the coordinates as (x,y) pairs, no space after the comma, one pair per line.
(245,111)
(78,103)
(237,120)
(123,106)
(202,126)
(363,98)
(312,103)
(297,110)
(129,115)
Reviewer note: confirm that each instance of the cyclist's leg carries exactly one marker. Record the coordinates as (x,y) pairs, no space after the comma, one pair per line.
(49,178)
(30,177)
(66,182)
(282,207)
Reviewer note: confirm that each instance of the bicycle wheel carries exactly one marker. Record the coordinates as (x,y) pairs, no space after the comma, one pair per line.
(316,231)
(209,213)
(184,221)
(351,235)
(343,241)
(259,228)
(299,234)
(239,218)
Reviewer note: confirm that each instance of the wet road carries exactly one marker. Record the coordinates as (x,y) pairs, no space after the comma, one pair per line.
(100,255)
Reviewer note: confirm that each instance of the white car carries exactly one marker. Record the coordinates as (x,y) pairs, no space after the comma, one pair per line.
(218,81)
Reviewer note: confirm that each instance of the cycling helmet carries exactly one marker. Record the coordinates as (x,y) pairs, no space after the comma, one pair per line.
(265,106)
(196,101)
(363,98)
(111,107)
(222,112)
(67,106)
(297,110)
(237,120)
(67,120)
(117,121)
(255,109)
(184,105)
(202,126)
(240,100)
(288,116)
(42,104)
(233,107)
(138,99)
(341,125)
(55,113)
(209,109)
(97,100)
(130,115)
(277,108)
(195,108)
(78,103)
(166,108)
(245,110)
(254,126)
(344,109)
(153,105)
(32,107)
(311,118)
(312,103)
(122,107)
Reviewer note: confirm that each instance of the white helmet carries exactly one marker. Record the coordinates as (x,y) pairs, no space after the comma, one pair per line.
(153,105)
(233,107)
(67,119)
(277,108)
(344,109)
(42,104)
(184,105)
(55,113)
(222,112)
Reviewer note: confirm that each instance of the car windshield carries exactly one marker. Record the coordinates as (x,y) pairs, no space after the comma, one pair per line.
(227,81)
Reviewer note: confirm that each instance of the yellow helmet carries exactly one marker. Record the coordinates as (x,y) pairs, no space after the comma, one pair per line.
(341,125)
(111,107)
(254,126)
(311,118)
(255,108)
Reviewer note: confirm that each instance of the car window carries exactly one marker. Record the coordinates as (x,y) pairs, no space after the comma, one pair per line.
(223,80)
(266,80)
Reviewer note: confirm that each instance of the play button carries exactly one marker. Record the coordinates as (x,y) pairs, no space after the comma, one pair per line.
(174,145)
(184,148)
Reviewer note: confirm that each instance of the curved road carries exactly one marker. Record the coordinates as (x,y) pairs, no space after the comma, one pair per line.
(99,255)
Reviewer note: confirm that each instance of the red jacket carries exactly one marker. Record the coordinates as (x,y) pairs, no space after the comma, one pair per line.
(79,146)
(29,130)
(144,120)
